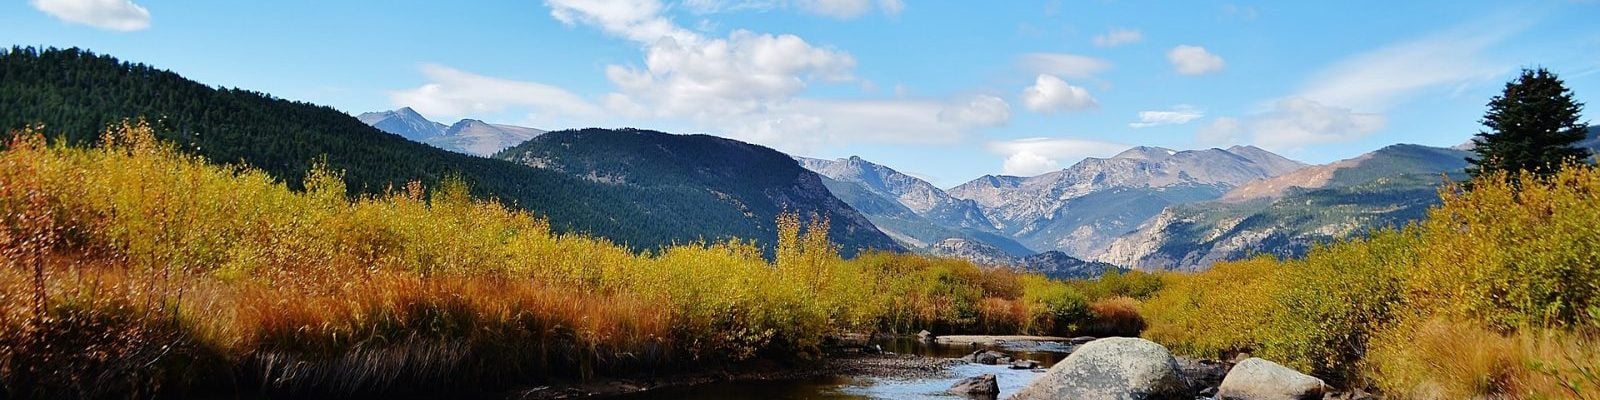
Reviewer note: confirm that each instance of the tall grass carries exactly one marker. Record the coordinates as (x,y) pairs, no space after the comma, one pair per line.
(1494,294)
(133,269)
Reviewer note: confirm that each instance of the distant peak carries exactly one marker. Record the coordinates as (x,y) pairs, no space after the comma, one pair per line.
(1146,153)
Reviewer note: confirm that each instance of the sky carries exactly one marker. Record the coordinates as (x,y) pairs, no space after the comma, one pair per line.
(943,90)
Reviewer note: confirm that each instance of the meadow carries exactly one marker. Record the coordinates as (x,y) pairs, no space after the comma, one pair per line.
(132,269)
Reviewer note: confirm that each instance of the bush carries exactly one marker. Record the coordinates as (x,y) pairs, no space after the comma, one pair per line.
(1116,316)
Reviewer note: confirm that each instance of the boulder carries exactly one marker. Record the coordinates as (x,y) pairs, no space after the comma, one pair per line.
(976,386)
(1024,364)
(1111,368)
(1258,379)
(988,357)
(927,336)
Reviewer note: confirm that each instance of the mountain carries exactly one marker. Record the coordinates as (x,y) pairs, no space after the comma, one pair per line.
(1053,264)
(468,136)
(76,93)
(404,122)
(909,209)
(1286,215)
(1081,209)
(727,180)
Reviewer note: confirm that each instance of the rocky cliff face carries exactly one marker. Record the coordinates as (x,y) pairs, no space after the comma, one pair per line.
(1288,214)
(1081,209)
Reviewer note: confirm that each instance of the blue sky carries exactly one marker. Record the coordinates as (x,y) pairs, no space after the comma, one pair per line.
(945,90)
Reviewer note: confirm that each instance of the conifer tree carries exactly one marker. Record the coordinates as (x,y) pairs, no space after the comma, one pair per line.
(1532,126)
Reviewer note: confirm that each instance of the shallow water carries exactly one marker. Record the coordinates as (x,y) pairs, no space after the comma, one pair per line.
(1010,380)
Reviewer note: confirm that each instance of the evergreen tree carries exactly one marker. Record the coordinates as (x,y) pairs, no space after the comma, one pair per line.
(1532,126)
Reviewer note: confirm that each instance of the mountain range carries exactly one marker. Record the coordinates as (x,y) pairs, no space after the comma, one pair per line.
(467,136)
(1081,209)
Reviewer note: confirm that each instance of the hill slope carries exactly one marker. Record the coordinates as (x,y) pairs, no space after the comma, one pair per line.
(76,93)
(727,180)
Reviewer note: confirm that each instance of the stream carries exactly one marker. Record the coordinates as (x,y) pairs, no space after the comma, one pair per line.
(1010,380)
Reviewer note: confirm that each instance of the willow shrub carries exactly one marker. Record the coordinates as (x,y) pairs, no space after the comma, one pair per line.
(1490,295)
(180,274)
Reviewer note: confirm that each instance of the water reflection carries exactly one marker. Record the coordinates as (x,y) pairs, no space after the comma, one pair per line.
(1010,380)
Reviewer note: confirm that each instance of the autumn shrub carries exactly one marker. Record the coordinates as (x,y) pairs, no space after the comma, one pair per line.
(1492,295)
(1055,307)
(1116,316)
(131,268)
(1135,284)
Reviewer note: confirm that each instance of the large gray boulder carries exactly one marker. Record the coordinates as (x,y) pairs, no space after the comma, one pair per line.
(1111,369)
(1258,379)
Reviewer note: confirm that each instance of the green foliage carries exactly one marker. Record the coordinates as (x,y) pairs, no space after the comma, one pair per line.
(1532,126)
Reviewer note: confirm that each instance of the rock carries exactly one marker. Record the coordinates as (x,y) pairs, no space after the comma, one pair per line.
(1239,358)
(1210,391)
(1004,360)
(1081,340)
(978,385)
(1024,364)
(1258,379)
(1201,373)
(988,357)
(927,336)
(1111,368)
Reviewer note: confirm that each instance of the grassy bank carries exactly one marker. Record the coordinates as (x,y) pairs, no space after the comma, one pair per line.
(130,268)
(1493,295)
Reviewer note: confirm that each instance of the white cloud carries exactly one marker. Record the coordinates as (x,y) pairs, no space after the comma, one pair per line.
(1068,65)
(1194,60)
(804,125)
(1034,156)
(455,93)
(1293,123)
(1176,116)
(1050,94)
(1384,77)
(981,110)
(1247,13)
(636,20)
(113,15)
(739,74)
(1117,37)
(838,9)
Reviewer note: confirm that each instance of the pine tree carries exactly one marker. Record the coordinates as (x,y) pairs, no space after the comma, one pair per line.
(1532,126)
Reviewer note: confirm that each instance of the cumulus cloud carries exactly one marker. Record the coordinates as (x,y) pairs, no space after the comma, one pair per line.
(738,74)
(1034,156)
(1293,123)
(1194,60)
(1068,65)
(1381,78)
(1117,37)
(1176,116)
(454,93)
(111,15)
(1050,94)
(748,85)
